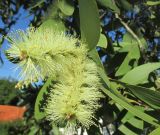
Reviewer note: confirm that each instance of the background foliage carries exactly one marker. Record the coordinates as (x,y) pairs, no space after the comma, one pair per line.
(126,35)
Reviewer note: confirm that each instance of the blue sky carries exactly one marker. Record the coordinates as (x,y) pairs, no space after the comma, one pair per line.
(6,70)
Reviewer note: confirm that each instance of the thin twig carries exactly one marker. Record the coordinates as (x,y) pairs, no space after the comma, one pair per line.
(131,32)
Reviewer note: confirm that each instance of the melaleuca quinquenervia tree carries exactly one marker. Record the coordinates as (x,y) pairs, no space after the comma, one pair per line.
(129,85)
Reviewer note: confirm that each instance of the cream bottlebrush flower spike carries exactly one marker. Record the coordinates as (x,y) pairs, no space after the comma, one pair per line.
(40,52)
(74,98)
(31,49)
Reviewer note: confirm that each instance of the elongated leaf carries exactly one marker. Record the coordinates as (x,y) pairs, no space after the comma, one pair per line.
(131,108)
(126,131)
(103,76)
(53,11)
(94,55)
(110,4)
(89,22)
(130,119)
(150,97)
(114,89)
(127,43)
(38,113)
(127,117)
(125,4)
(153,3)
(66,6)
(102,41)
(33,130)
(130,61)
(53,24)
(140,74)
(139,123)
(155,132)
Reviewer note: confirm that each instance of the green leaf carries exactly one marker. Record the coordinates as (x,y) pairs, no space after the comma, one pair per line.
(89,22)
(130,61)
(153,3)
(102,41)
(38,113)
(155,132)
(104,76)
(127,43)
(140,74)
(66,6)
(127,40)
(53,11)
(33,130)
(125,4)
(94,54)
(114,89)
(131,108)
(139,123)
(149,96)
(127,117)
(54,24)
(126,131)
(130,119)
(109,4)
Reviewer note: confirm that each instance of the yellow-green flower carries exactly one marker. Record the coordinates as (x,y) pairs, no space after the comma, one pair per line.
(73,100)
(40,52)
